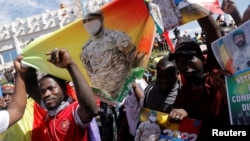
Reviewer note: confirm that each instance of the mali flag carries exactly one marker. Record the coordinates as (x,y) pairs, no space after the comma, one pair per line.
(131,17)
(227,60)
(30,127)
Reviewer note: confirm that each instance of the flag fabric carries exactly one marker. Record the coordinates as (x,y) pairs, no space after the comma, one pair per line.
(211,5)
(196,9)
(155,12)
(179,12)
(131,17)
(170,44)
(170,14)
(30,128)
(226,57)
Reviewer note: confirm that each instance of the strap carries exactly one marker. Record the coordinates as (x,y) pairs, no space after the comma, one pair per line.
(146,93)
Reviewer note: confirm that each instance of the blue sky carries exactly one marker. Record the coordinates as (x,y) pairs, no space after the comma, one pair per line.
(12,9)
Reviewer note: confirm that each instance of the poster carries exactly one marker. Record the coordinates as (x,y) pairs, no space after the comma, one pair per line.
(232,51)
(123,16)
(170,130)
(179,12)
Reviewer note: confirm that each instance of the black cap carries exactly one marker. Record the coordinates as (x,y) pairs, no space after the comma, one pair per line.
(186,46)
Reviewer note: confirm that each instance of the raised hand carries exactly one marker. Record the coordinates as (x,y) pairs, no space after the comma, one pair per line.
(3,104)
(60,58)
(138,59)
(18,65)
(228,6)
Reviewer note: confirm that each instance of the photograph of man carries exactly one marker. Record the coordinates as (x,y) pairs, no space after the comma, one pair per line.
(107,60)
(241,56)
(148,130)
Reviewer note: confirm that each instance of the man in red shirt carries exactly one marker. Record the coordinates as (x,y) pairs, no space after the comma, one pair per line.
(67,119)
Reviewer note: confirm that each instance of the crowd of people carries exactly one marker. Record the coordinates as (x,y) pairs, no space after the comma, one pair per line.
(188,83)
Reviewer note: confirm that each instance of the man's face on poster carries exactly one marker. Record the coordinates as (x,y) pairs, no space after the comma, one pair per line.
(92,25)
(240,40)
(152,117)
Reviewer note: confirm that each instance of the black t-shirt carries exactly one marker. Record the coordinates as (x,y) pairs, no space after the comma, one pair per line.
(158,100)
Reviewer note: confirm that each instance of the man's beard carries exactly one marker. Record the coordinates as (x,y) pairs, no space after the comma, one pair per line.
(241,44)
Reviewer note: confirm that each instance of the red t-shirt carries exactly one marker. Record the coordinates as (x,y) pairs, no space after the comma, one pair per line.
(62,127)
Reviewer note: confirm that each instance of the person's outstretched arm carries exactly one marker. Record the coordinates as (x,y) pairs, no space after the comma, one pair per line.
(32,86)
(85,96)
(246,14)
(17,106)
(229,7)
(212,33)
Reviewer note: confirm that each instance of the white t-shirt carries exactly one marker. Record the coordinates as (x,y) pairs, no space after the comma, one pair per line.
(4,120)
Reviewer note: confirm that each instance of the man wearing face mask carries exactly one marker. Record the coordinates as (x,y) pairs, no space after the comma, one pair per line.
(148,129)
(106,64)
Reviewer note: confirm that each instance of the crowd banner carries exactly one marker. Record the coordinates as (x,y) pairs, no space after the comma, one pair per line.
(129,17)
(179,12)
(184,130)
(232,51)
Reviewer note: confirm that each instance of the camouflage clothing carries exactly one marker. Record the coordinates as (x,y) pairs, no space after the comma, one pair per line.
(108,60)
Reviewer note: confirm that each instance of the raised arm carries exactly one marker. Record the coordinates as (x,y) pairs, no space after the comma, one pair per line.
(212,33)
(139,94)
(85,96)
(31,83)
(246,14)
(229,7)
(17,106)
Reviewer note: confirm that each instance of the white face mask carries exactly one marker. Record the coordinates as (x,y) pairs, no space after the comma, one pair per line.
(93,26)
(152,118)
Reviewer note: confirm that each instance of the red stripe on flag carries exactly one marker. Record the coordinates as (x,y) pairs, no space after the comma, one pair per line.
(170,44)
(213,6)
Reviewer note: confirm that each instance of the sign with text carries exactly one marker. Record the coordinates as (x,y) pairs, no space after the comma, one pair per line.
(232,51)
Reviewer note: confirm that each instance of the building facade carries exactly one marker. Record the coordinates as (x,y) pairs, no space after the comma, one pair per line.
(18,34)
